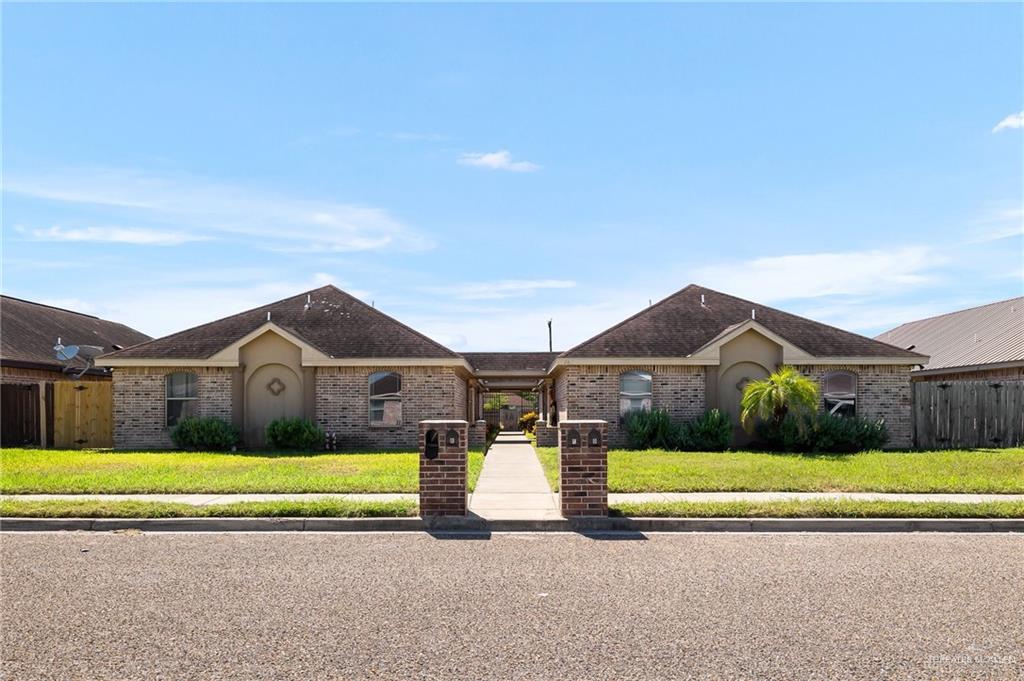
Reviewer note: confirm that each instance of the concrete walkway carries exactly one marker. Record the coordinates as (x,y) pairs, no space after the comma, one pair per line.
(512,484)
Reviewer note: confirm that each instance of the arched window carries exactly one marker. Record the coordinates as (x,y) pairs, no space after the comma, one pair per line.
(839,390)
(182,396)
(634,392)
(385,398)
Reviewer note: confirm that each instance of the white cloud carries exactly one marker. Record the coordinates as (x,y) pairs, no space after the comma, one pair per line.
(497,160)
(161,306)
(496,290)
(122,235)
(814,275)
(1000,224)
(276,222)
(1011,122)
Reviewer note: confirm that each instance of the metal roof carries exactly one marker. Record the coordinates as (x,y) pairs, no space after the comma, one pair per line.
(989,334)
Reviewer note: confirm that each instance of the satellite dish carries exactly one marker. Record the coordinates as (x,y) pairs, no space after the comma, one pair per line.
(65,353)
(83,353)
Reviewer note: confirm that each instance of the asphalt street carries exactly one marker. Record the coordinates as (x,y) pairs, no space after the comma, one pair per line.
(512,606)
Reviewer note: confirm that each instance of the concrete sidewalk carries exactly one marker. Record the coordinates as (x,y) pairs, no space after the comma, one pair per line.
(512,484)
(646,497)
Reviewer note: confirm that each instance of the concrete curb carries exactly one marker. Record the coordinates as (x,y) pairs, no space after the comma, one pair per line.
(476,525)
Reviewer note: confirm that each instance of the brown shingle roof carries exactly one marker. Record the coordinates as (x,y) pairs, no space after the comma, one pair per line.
(989,334)
(510,361)
(679,326)
(28,331)
(335,323)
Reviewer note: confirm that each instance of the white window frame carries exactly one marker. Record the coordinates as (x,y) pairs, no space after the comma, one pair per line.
(840,399)
(645,396)
(384,398)
(168,398)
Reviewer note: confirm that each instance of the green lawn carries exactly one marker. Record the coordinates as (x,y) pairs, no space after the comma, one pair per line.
(842,508)
(47,471)
(325,508)
(977,470)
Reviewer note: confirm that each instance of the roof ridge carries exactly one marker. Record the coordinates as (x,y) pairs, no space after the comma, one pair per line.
(628,319)
(402,324)
(954,312)
(199,326)
(813,321)
(54,307)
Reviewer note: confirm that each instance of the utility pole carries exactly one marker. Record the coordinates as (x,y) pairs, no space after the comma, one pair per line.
(551,347)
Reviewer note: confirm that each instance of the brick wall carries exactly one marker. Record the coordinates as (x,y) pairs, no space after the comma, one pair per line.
(582,468)
(140,415)
(443,477)
(592,392)
(343,407)
(883,392)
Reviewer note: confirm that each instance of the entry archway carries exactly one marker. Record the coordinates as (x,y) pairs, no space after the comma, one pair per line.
(273,391)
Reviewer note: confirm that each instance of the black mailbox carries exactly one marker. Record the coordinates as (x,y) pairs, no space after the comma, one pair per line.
(574,437)
(451,438)
(594,438)
(430,444)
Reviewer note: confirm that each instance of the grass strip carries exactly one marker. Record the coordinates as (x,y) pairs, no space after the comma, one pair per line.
(825,508)
(322,508)
(980,471)
(40,471)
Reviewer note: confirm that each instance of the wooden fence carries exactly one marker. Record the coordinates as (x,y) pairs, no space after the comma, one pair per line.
(82,414)
(966,414)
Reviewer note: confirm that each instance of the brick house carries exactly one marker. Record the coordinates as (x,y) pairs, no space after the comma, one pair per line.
(46,402)
(369,379)
(696,349)
(323,355)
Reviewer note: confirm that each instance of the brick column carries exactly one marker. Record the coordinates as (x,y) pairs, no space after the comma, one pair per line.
(443,473)
(583,468)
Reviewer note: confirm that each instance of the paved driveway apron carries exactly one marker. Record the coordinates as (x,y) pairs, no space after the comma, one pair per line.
(512,484)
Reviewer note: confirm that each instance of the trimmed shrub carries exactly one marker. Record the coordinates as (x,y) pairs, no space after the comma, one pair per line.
(652,430)
(528,422)
(294,433)
(209,434)
(709,432)
(824,433)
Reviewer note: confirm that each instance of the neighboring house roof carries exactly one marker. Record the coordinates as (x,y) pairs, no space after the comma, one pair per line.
(28,332)
(681,324)
(326,318)
(989,334)
(487,362)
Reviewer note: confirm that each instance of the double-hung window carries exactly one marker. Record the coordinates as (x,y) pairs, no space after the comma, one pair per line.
(634,392)
(182,396)
(840,393)
(385,398)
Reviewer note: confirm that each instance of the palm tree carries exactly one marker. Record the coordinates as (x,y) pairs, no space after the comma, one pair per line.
(785,391)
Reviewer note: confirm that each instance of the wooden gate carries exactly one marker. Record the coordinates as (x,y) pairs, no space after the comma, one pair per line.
(82,414)
(19,424)
(968,414)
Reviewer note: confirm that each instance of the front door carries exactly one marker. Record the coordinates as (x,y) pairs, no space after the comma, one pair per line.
(272,392)
(730,391)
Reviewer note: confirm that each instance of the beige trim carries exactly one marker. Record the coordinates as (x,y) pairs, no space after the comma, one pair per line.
(230,353)
(391,362)
(791,354)
(311,357)
(142,362)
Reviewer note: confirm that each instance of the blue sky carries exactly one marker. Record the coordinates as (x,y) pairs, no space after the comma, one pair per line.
(477,170)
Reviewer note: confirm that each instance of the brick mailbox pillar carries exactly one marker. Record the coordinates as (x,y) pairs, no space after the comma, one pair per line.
(443,467)
(583,468)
